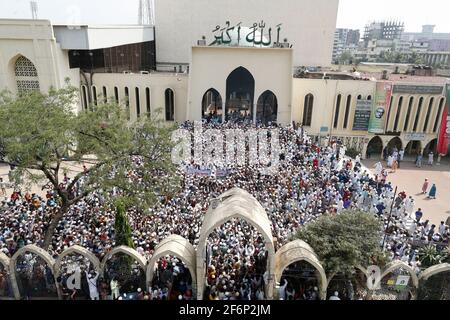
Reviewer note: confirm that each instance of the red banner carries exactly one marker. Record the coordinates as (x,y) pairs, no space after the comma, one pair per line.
(444,133)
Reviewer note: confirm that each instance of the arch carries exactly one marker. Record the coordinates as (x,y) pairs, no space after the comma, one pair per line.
(428,114)
(116,94)
(94,94)
(399,112)
(240,92)
(395,142)
(308,110)
(408,114)
(84,97)
(419,111)
(127,251)
(438,115)
(267,107)
(105,94)
(369,97)
(394,265)
(434,283)
(430,147)
(4,260)
(177,246)
(348,105)
(4,264)
(358,273)
(26,75)
(434,270)
(375,146)
(37,251)
(76,249)
(212,105)
(413,147)
(147,102)
(138,101)
(337,111)
(169,104)
(296,251)
(127,102)
(235,203)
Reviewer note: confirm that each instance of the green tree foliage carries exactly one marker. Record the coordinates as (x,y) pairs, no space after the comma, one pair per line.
(429,256)
(43,137)
(345,58)
(122,228)
(345,241)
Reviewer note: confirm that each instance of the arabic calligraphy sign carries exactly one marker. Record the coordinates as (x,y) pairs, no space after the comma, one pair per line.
(239,35)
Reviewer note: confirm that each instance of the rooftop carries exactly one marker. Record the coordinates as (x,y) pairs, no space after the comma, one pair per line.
(91,37)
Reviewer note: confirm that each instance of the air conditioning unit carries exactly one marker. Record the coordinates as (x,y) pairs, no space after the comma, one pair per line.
(126,72)
(144,72)
(201,42)
(284,45)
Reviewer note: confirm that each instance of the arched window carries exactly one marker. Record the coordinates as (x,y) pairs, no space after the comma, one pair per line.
(359,97)
(399,112)
(94,93)
(105,95)
(26,75)
(116,94)
(308,110)
(336,113)
(84,97)
(170,106)
(408,114)
(389,113)
(419,111)
(147,101)
(369,97)
(127,102)
(347,110)
(138,102)
(439,115)
(427,117)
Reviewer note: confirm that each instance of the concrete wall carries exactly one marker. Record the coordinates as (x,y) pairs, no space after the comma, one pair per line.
(308,24)
(157,82)
(325,94)
(211,66)
(97,37)
(33,39)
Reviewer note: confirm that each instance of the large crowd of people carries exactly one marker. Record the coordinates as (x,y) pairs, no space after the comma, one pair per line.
(311,181)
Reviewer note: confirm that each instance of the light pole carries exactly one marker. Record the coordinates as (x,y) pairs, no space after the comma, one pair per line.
(389,219)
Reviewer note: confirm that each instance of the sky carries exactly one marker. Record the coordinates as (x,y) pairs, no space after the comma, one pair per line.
(352,13)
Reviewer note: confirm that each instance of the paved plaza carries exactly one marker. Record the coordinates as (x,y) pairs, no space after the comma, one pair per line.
(409,178)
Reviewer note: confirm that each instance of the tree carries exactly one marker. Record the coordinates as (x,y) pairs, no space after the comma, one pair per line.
(41,135)
(122,228)
(345,57)
(429,256)
(345,241)
(415,58)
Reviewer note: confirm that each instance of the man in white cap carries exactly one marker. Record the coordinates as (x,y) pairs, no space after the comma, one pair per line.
(335,296)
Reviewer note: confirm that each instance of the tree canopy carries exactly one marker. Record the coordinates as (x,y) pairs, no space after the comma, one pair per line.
(344,241)
(43,137)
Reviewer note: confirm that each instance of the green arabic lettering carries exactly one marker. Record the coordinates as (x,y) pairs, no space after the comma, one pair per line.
(278,33)
(267,43)
(252,39)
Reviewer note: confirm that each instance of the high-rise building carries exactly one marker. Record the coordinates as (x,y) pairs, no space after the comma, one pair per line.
(345,40)
(384,30)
